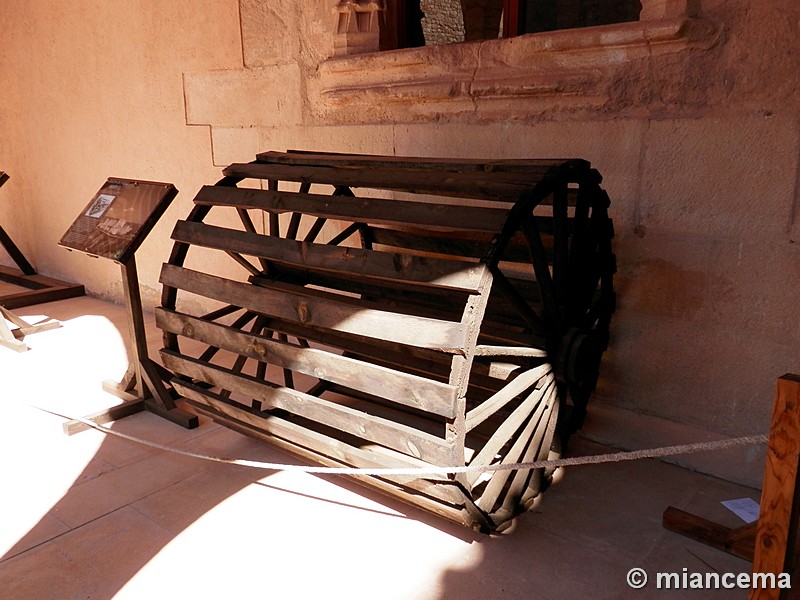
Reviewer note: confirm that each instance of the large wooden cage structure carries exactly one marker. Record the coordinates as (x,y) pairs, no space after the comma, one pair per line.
(376,311)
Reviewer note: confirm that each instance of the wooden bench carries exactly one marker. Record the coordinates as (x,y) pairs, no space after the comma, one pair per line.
(376,311)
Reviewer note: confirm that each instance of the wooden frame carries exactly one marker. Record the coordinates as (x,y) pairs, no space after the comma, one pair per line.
(397,312)
(773,541)
(41,288)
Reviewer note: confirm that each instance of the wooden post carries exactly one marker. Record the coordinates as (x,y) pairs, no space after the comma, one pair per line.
(42,289)
(777,537)
(773,543)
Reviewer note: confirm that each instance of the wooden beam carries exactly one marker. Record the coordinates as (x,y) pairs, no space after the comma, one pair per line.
(506,187)
(346,262)
(776,544)
(16,254)
(737,541)
(379,211)
(419,392)
(334,314)
(397,436)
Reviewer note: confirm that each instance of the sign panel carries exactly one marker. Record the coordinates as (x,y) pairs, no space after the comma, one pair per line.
(119,217)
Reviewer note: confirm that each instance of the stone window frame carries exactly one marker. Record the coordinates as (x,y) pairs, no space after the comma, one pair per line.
(551,66)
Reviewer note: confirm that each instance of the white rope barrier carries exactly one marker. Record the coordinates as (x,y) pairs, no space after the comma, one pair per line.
(593,459)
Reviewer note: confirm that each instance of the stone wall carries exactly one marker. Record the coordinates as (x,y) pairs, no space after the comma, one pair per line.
(692,115)
(443,22)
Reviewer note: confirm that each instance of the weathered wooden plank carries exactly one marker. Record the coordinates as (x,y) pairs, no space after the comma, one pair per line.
(363,210)
(362,456)
(378,405)
(461,364)
(505,351)
(381,431)
(712,534)
(513,165)
(504,187)
(402,388)
(463,244)
(350,262)
(40,295)
(534,168)
(446,304)
(338,315)
(328,451)
(434,242)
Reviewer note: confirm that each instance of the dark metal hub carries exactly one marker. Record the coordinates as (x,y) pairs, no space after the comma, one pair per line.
(578,357)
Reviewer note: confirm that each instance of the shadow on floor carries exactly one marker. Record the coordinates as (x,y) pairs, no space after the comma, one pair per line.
(130,503)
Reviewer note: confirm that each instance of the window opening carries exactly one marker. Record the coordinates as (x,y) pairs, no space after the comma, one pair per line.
(412,23)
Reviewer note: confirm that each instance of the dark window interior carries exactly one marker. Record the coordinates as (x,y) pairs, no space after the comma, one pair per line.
(533,16)
(488,19)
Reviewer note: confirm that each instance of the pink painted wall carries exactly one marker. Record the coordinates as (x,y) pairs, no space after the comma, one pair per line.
(694,123)
(93,89)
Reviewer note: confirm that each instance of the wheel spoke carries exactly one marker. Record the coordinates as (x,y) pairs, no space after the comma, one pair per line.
(294,226)
(253,270)
(560,243)
(346,233)
(542,271)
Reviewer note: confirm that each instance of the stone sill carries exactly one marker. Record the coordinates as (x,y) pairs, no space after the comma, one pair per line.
(568,62)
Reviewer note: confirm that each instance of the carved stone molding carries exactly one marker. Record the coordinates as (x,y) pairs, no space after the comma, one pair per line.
(356,28)
(563,69)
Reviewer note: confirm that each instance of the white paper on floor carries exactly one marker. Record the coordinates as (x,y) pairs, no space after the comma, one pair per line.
(745,508)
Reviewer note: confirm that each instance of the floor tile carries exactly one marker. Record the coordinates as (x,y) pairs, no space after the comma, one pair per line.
(96,516)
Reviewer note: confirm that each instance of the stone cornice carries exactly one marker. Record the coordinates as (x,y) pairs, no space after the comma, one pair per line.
(545,68)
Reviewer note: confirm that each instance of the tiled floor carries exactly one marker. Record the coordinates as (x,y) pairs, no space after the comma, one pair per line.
(96,517)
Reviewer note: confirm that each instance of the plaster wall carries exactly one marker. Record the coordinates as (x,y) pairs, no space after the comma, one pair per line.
(93,89)
(692,117)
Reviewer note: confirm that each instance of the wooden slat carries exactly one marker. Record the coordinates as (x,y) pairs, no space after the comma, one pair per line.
(331,159)
(381,431)
(487,350)
(378,405)
(512,167)
(362,210)
(532,407)
(538,449)
(432,242)
(518,386)
(529,441)
(436,303)
(327,314)
(41,295)
(349,262)
(328,451)
(470,244)
(357,456)
(417,392)
(485,186)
